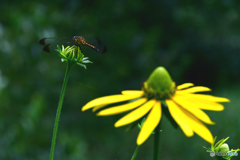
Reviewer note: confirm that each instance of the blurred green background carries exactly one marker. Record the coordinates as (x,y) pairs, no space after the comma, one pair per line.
(196,41)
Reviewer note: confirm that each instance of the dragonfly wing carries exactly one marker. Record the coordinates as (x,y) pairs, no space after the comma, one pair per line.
(46,48)
(93,45)
(42,41)
(102,48)
(56,40)
(52,48)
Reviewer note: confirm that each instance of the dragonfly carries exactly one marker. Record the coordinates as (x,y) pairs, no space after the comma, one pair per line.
(86,44)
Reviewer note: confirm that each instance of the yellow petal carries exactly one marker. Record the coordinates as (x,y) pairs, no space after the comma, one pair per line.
(196,89)
(98,107)
(202,104)
(151,123)
(136,114)
(198,127)
(133,92)
(211,106)
(199,97)
(108,100)
(191,107)
(185,85)
(179,116)
(122,108)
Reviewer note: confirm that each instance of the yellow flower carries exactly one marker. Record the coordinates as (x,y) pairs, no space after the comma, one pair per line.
(184,105)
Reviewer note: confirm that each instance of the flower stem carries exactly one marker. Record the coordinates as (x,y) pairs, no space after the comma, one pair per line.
(135,152)
(156,143)
(69,64)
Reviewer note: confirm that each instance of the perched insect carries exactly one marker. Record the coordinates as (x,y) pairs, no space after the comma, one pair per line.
(87,45)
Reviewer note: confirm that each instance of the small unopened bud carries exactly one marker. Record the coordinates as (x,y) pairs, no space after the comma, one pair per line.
(224,148)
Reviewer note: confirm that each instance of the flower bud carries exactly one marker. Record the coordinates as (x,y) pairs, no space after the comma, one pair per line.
(224,148)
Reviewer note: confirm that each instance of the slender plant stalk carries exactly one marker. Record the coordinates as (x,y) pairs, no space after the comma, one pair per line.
(135,152)
(69,64)
(156,143)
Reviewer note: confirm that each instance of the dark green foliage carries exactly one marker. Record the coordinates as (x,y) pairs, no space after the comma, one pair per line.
(196,41)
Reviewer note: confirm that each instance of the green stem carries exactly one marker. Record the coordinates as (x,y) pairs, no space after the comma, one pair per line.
(69,64)
(135,152)
(156,143)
